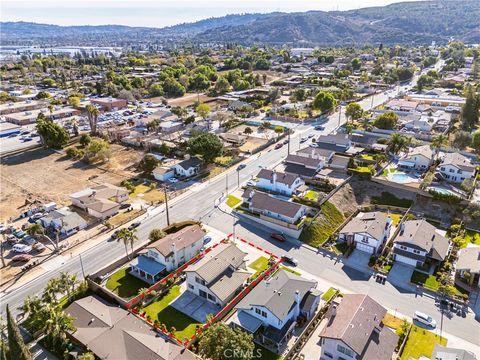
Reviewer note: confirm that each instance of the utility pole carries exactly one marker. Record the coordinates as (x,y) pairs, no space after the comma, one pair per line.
(81,265)
(166,203)
(234,222)
(371,105)
(226,184)
(238,178)
(339,115)
(288,144)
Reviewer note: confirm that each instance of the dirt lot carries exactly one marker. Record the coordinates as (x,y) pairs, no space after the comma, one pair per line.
(45,175)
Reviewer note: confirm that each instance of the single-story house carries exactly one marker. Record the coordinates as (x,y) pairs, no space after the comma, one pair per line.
(368,231)
(234,139)
(188,167)
(64,220)
(102,201)
(417,241)
(303,166)
(219,275)
(355,330)
(336,142)
(163,173)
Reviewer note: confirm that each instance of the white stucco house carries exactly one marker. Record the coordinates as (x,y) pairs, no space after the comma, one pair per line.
(456,168)
(367,231)
(163,173)
(419,158)
(167,254)
(283,183)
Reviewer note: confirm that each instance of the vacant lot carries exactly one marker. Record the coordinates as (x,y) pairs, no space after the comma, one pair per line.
(43,175)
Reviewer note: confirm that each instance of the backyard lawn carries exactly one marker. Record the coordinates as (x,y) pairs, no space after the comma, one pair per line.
(421,342)
(392,322)
(472,237)
(165,314)
(329,294)
(233,201)
(125,285)
(311,195)
(395,218)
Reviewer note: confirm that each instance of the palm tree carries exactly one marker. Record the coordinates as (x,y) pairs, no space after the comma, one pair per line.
(128,237)
(67,283)
(438,142)
(31,305)
(51,290)
(92,114)
(57,325)
(35,230)
(397,143)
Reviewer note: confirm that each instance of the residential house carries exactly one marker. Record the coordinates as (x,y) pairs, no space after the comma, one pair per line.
(168,253)
(336,142)
(64,220)
(219,275)
(303,166)
(284,183)
(111,332)
(456,168)
(355,331)
(270,208)
(188,167)
(101,201)
(233,139)
(469,263)
(367,231)
(419,158)
(270,311)
(417,241)
(447,353)
(402,105)
(163,173)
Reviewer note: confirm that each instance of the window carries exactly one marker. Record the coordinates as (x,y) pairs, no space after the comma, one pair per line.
(211,297)
(258,311)
(345,351)
(328,355)
(264,314)
(190,286)
(403,247)
(416,251)
(199,281)
(451,170)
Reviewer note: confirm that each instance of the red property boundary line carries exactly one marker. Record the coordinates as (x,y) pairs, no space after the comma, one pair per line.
(222,312)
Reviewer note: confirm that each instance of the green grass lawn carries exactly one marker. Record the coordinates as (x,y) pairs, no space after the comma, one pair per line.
(472,237)
(427,281)
(259,265)
(340,248)
(318,231)
(125,285)
(265,354)
(395,218)
(165,314)
(421,342)
(367,157)
(329,294)
(311,195)
(233,201)
(290,270)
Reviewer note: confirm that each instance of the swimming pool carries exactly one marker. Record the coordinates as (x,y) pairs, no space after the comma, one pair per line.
(402,178)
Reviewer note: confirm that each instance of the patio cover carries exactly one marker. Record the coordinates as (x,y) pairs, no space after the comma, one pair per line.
(148,265)
(246,321)
(406,163)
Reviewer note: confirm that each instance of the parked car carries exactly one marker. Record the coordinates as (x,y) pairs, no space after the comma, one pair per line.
(251,183)
(22,248)
(303,139)
(320,127)
(285,141)
(37,216)
(22,258)
(425,319)
(173,180)
(207,239)
(115,234)
(28,240)
(12,239)
(19,233)
(278,146)
(241,166)
(290,259)
(311,136)
(279,237)
(39,247)
(134,225)
(125,206)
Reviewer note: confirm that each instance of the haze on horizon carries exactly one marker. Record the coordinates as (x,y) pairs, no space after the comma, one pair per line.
(158,13)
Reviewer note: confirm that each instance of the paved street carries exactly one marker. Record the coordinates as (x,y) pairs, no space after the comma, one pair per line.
(199,202)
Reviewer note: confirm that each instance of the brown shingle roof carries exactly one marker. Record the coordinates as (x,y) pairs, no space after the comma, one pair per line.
(263,201)
(283,178)
(182,238)
(372,223)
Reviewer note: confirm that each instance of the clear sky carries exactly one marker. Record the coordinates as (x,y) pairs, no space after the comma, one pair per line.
(157,13)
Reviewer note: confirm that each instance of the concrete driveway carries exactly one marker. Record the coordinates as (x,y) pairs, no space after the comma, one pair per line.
(195,306)
(400,274)
(358,260)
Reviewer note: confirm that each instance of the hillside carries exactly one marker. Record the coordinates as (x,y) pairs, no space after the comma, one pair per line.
(405,23)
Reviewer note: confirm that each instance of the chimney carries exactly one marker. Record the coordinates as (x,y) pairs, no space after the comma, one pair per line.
(274,177)
(174,248)
(297,303)
(334,311)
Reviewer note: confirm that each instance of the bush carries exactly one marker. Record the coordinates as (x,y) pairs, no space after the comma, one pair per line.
(173,228)
(448,198)
(387,198)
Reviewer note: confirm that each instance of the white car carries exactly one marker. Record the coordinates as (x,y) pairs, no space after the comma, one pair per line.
(251,183)
(173,180)
(22,248)
(425,319)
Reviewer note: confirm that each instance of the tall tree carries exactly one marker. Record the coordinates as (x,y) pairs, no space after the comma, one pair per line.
(148,164)
(438,142)
(128,237)
(17,348)
(324,101)
(354,111)
(221,342)
(52,135)
(207,145)
(471,108)
(92,115)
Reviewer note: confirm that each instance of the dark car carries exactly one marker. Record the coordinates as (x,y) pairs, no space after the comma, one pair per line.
(319,127)
(279,237)
(285,141)
(22,258)
(27,139)
(125,206)
(134,225)
(241,166)
(278,146)
(115,234)
(290,259)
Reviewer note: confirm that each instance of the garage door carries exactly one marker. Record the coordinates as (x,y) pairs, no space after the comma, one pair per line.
(363,247)
(405,260)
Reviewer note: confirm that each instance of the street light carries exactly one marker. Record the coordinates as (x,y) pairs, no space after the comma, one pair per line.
(166,203)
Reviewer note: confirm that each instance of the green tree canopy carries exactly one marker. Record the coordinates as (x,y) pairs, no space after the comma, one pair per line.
(156,234)
(203,110)
(354,111)
(155,90)
(148,164)
(16,346)
(386,121)
(476,142)
(221,342)
(324,101)
(207,145)
(97,150)
(85,139)
(53,135)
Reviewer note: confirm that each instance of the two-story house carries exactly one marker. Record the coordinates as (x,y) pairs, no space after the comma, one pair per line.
(355,331)
(304,166)
(456,168)
(368,231)
(188,167)
(219,275)
(419,158)
(271,309)
(417,241)
(339,142)
(168,253)
(273,209)
(283,183)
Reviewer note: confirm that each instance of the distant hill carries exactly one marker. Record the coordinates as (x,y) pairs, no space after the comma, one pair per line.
(404,23)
